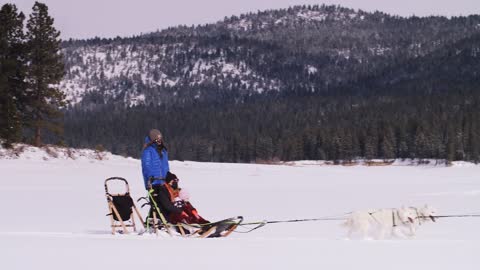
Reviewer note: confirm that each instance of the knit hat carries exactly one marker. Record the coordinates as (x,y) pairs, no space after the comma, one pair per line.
(170,177)
(154,134)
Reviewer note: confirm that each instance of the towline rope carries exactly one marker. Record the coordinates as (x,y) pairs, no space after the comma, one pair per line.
(450,216)
(292,220)
(260,224)
(339,218)
(265,222)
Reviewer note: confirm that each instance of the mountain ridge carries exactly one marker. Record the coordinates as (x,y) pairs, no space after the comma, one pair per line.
(223,60)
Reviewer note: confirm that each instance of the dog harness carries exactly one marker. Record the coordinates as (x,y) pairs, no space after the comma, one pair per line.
(393,217)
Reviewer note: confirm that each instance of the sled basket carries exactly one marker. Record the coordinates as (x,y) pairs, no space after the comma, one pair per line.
(124,205)
(121,207)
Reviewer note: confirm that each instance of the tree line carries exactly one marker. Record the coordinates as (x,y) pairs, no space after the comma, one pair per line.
(31,67)
(337,127)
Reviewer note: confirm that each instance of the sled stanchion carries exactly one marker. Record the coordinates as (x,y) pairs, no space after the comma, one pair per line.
(155,228)
(156,209)
(133,222)
(112,221)
(182,231)
(139,215)
(162,218)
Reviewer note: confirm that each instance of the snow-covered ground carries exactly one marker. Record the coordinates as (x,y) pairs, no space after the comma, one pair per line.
(53,215)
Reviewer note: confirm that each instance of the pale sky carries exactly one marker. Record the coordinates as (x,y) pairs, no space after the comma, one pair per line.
(110,18)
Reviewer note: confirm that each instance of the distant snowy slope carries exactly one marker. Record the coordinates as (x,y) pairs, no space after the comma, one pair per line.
(135,74)
(302,49)
(54,210)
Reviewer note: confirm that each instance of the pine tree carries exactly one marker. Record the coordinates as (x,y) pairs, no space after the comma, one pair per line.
(450,145)
(371,144)
(202,152)
(420,144)
(45,71)
(12,73)
(387,144)
(264,148)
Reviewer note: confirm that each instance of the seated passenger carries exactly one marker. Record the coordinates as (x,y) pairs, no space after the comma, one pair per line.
(181,199)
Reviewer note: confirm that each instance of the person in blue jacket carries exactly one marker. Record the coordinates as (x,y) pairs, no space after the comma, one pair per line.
(155,164)
(154,159)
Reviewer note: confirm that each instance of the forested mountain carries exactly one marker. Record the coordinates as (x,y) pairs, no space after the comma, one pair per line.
(307,82)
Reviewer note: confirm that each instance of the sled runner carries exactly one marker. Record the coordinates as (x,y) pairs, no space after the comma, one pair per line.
(121,207)
(222,228)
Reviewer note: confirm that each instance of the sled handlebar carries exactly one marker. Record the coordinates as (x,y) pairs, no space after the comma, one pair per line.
(115,178)
(151,179)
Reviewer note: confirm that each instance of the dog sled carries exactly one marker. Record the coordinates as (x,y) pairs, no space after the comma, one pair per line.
(122,209)
(122,212)
(156,222)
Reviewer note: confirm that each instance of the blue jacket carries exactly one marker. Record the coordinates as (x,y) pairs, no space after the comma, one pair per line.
(153,164)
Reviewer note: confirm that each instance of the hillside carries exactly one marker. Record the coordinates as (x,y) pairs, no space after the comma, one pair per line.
(307,49)
(308,82)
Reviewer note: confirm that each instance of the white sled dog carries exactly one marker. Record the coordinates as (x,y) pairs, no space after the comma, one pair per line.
(376,223)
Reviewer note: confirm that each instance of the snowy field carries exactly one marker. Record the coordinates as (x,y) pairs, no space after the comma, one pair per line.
(53,216)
